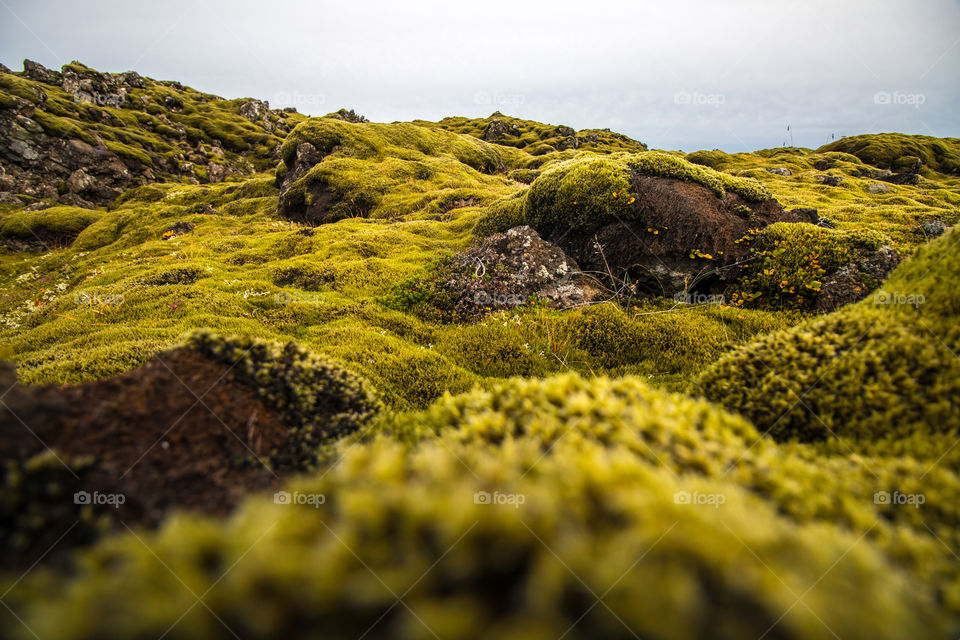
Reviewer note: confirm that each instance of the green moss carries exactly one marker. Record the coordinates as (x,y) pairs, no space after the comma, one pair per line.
(592,190)
(663,338)
(36,499)
(52,227)
(187,274)
(19,87)
(881,367)
(666,165)
(60,127)
(789,261)
(715,159)
(378,171)
(581,192)
(894,151)
(537,138)
(502,215)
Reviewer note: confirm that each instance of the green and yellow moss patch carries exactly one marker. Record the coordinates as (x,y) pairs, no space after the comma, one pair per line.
(900,152)
(885,366)
(789,261)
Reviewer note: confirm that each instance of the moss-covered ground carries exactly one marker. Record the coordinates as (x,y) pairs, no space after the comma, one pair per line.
(535,473)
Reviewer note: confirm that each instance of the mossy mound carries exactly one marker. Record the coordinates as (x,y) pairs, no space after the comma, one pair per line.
(538,509)
(900,152)
(44,230)
(884,367)
(789,262)
(334,169)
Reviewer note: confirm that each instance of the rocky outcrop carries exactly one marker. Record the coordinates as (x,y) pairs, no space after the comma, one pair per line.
(64,142)
(347,115)
(853,282)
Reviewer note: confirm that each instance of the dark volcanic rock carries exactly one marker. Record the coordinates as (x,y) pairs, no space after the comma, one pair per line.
(904,178)
(347,115)
(496,130)
(830,181)
(931,228)
(38,72)
(508,269)
(780,171)
(851,283)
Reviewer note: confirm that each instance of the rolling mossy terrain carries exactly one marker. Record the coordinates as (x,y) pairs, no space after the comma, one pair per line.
(719,463)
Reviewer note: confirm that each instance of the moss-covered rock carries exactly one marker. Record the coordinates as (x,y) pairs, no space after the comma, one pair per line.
(318,398)
(653,219)
(51,228)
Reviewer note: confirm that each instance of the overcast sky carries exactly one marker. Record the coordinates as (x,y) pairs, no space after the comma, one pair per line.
(676,75)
